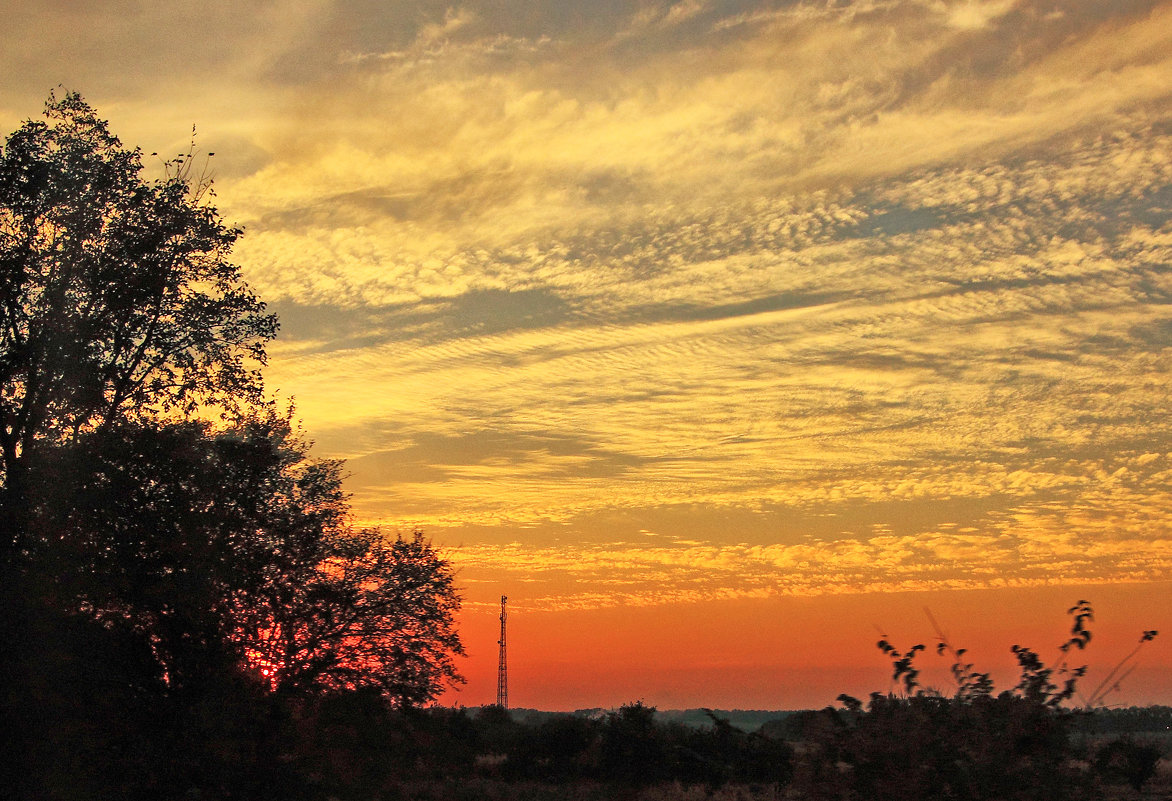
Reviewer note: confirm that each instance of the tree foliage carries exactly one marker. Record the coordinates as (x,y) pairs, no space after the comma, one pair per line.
(371,613)
(188,582)
(117,295)
(234,547)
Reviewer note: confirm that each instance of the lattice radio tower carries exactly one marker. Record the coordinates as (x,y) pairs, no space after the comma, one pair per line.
(502,671)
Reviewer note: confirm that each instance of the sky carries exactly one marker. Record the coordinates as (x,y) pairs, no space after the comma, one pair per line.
(720,336)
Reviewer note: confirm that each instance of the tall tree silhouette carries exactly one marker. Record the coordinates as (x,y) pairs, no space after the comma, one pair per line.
(117,296)
(159,572)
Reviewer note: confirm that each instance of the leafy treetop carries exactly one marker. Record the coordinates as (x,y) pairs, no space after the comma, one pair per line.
(117,296)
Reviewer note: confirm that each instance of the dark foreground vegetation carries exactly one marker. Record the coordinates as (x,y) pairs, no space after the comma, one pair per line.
(354,746)
(918,746)
(187,611)
(180,582)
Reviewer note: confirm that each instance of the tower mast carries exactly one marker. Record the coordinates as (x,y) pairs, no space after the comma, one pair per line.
(502,675)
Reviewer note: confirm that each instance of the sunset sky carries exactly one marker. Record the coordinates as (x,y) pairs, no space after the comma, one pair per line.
(719,335)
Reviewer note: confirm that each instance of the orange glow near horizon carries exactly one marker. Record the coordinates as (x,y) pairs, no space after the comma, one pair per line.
(801,653)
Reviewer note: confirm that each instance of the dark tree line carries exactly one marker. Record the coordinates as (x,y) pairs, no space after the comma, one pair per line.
(179,578)
(367,751)
(916,748)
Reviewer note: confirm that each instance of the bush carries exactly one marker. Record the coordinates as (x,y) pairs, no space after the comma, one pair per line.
(1125,760)
(971,746)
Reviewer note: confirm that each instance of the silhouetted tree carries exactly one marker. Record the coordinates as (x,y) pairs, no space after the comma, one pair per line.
(182,581)
(117,302)
(633,747)
(117,298)
(234,548)
(355,610)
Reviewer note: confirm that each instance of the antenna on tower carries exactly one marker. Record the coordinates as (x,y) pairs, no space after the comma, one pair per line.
(502,675)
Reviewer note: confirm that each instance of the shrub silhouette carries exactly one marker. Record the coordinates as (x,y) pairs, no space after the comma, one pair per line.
(927,746)
(632,746)
(722,754)
(562,748)
(972,745)
(1125,760)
